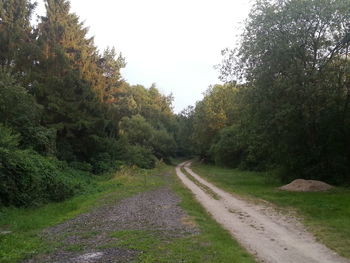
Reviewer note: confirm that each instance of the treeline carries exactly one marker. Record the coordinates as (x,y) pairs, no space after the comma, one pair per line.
(285,104)
(65,111)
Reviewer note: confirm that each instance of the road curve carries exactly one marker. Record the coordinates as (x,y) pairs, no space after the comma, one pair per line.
(268,235)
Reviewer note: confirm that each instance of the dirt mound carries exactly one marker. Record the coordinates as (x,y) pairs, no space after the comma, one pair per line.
(301,185)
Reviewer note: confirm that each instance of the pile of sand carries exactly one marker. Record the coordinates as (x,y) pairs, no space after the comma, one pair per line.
(301,185)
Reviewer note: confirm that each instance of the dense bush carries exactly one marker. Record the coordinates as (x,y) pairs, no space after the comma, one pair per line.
(20,111)
(228,149)
(140,156)
(163,145)
(28,178)
(83,166)
(146,140)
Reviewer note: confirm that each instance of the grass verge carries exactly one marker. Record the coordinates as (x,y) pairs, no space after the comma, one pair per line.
(326,214)
(20,228)
(211,244)
(200,185)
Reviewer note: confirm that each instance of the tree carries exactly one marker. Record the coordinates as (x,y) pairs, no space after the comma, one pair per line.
(213,113)
(20,111)
(139,132)
(69,82)
(184,132)
(110,64)
(15,29)
(65,110)
(17,37)
(294,58)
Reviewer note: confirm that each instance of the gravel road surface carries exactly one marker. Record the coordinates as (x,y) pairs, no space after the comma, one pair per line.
(82,239)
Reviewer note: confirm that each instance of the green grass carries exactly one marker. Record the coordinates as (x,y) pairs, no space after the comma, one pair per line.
(326,214)
(214,244)
(202,186)
(26,224)
(211,244)
(74,248)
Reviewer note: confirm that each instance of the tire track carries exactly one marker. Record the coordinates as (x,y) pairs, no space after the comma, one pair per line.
(266,234)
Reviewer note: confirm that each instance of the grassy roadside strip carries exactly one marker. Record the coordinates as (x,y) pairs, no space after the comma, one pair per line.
(23,226)
(200,185)
(215,242)
(325,214)
(211,244)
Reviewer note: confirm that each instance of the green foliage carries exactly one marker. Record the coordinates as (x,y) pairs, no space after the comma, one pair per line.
(19,111)
(184,133)
(62,99)
(28,178)
(140,156)
(163,145)
(299,89)
(18,108)
(138,132)
(16,37)
(153,106)
(212,114)
(292,112)
(83,166)
(228,150)
(8,139)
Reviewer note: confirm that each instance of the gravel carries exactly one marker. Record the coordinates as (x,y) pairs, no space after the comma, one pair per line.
(156,210)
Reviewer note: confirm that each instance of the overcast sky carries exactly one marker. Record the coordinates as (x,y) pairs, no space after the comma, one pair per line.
(173,43)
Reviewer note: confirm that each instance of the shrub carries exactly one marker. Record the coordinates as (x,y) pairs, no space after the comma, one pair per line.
(27,178)
(20,111)
(141,157)
(8,138)
(83,166)
(228,150)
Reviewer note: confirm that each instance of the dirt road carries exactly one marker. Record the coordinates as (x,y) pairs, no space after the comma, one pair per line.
(265,233)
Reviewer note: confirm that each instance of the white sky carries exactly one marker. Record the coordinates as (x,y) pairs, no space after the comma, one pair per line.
(173,43)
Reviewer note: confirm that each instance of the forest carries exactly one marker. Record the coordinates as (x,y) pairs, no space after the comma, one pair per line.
(284,104)
(66,113)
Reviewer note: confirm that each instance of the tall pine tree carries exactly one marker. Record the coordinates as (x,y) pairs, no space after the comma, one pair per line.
(17,38)
(64,88)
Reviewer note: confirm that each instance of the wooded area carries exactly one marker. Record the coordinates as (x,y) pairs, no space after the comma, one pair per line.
(66,112)
(285,102)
